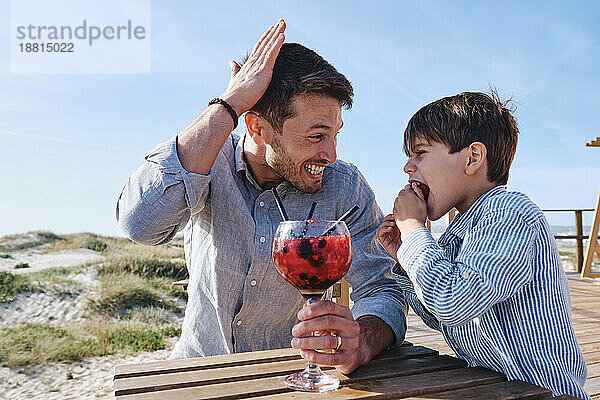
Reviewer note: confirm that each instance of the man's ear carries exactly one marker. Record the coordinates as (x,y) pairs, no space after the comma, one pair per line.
(258,128)
(477,157)
(253,127)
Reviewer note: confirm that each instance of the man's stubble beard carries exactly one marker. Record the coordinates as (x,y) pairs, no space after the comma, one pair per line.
(281,163)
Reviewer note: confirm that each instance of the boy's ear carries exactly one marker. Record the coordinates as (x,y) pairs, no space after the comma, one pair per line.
(477,156)
(258,129)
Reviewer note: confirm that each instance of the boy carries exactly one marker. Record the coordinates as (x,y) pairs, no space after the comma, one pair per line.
(492,284)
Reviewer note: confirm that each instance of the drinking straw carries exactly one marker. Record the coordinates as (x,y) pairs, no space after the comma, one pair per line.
(342,218)
(312,210)
(284,215)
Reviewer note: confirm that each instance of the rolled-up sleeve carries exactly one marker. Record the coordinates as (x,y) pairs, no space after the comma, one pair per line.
(159,197)
(374,290)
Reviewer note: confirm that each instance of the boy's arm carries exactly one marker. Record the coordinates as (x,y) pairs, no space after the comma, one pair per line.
(413,301)
(492,265)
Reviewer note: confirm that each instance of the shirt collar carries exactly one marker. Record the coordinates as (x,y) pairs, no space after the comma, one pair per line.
(461,223)
(240,164)
(241,167)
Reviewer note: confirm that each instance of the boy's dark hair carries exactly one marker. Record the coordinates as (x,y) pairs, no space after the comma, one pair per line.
(299,70)
(457,121)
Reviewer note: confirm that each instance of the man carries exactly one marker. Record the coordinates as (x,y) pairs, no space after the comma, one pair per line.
(218,184)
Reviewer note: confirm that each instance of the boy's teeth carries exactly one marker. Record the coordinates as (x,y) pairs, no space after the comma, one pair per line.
(314,169)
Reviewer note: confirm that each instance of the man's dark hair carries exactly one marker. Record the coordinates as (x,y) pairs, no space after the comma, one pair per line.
(299,70)
(457,121)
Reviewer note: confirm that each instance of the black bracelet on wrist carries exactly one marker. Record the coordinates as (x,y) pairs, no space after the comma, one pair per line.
(229,109)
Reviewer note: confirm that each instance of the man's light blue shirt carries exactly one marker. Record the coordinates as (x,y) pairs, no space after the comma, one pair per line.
(236,299)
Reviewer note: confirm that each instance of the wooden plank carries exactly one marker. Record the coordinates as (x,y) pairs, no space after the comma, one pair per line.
(392,368)
(188,364)
(593,370)
(257,357)
(238,374)
(593,246)
(401,387)
(594,142)
(579,243)
(243,373)
(590,347)
(587,337)
(239,388)
(402,353)
(344,298)
(592,357)
(592,386)
(497,391)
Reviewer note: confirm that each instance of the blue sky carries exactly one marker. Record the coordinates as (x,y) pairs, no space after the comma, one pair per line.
(68,142)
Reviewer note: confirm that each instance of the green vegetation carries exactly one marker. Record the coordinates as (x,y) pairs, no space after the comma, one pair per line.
(120,293)
(57,273)
(5,256)
(146,267)
(22,265)
(79,241)
(130,310)
(11,285)
(165,285)
(27,240)
(132,340)
(37,343)
(118,246)
(95,244)
(40,343)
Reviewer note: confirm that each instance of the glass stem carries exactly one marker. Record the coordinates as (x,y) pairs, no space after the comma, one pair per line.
(312,368)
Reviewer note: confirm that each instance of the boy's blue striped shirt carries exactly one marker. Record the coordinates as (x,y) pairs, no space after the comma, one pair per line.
(493,285)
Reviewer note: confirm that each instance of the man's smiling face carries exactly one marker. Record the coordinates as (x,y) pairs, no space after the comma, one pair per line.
(308,142)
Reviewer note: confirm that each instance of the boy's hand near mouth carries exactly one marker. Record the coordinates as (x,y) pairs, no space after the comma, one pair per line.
(410,213)
(410,210)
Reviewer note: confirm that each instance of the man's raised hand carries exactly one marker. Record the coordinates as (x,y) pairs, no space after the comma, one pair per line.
(250,81)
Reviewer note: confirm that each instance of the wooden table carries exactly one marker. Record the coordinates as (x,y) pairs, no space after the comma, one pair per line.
(414,372)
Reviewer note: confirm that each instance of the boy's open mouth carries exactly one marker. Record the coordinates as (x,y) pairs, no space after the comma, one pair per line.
(424,188)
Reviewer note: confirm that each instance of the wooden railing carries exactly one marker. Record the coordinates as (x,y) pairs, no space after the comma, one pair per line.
(579,236)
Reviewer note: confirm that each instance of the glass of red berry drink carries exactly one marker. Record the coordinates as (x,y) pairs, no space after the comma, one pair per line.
(312,255)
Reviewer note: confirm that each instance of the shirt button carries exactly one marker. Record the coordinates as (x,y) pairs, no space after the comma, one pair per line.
(262,203)
(239,322)
(253,282)
(262,239)
(465,275)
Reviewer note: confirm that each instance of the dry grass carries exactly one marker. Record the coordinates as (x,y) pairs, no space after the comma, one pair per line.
(37,343)
(145,267)
(30,239)
(121,293)
(132,309)
(40,343)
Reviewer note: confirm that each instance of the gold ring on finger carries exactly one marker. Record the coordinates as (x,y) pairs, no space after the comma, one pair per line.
(339,343)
